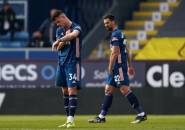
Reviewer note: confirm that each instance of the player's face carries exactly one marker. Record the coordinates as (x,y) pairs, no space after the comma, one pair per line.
(60,21)
(108,24)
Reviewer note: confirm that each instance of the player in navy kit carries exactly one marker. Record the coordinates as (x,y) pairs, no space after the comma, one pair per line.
(119,65)
(68,45)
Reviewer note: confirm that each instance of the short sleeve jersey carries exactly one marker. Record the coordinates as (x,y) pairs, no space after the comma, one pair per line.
(72,51)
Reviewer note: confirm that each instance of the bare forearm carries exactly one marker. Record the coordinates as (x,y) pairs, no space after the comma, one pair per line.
(129,60)
(67,38)
(112,60)
(128,57)
(130,68)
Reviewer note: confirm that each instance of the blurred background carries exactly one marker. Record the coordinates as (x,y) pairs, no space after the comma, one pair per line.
(155,31)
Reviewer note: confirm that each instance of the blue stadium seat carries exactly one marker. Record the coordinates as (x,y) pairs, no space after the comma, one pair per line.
(21,36)
(5,37)
(18,8)
(20,40)
(12,44)
(18,36)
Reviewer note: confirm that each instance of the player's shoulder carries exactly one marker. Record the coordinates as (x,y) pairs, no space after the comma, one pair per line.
(117,32)
(76,26)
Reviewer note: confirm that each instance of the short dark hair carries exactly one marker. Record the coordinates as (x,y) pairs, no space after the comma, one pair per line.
(109,16)
(57,14)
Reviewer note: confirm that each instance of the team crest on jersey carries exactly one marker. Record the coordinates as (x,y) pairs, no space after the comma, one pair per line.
(115,39)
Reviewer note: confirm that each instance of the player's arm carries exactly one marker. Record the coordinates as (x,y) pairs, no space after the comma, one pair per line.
(113,56)
(70,36)
(128,57)
(130,67)
(56,43)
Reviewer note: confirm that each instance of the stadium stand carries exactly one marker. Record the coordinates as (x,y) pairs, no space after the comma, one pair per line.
(145,24)
(163,49)
(123,11)
(174,26)
(170,42)
(21,35)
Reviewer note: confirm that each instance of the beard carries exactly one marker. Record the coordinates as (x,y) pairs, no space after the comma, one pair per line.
(109,28)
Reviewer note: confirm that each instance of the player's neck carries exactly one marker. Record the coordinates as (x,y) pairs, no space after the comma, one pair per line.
(68,25)
(114,28)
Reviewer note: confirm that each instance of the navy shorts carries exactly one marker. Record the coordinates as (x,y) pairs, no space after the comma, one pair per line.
(119,77)
(68,75)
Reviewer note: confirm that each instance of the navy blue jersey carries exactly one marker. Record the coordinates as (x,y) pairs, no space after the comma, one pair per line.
(72,51)
(119,39)
(120,76)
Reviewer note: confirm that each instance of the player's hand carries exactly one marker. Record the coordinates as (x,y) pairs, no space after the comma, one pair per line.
(131,71)
(110,70)
(68,31)
(60,45)
(55,44)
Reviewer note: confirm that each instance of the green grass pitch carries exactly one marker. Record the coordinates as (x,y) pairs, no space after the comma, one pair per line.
(49,122)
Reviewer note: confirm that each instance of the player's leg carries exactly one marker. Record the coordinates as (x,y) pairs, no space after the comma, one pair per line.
(61,82)
(73,100)
(107,102)
(132,99)
(66,104)
(66,100)
(73,79)
(135,104)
